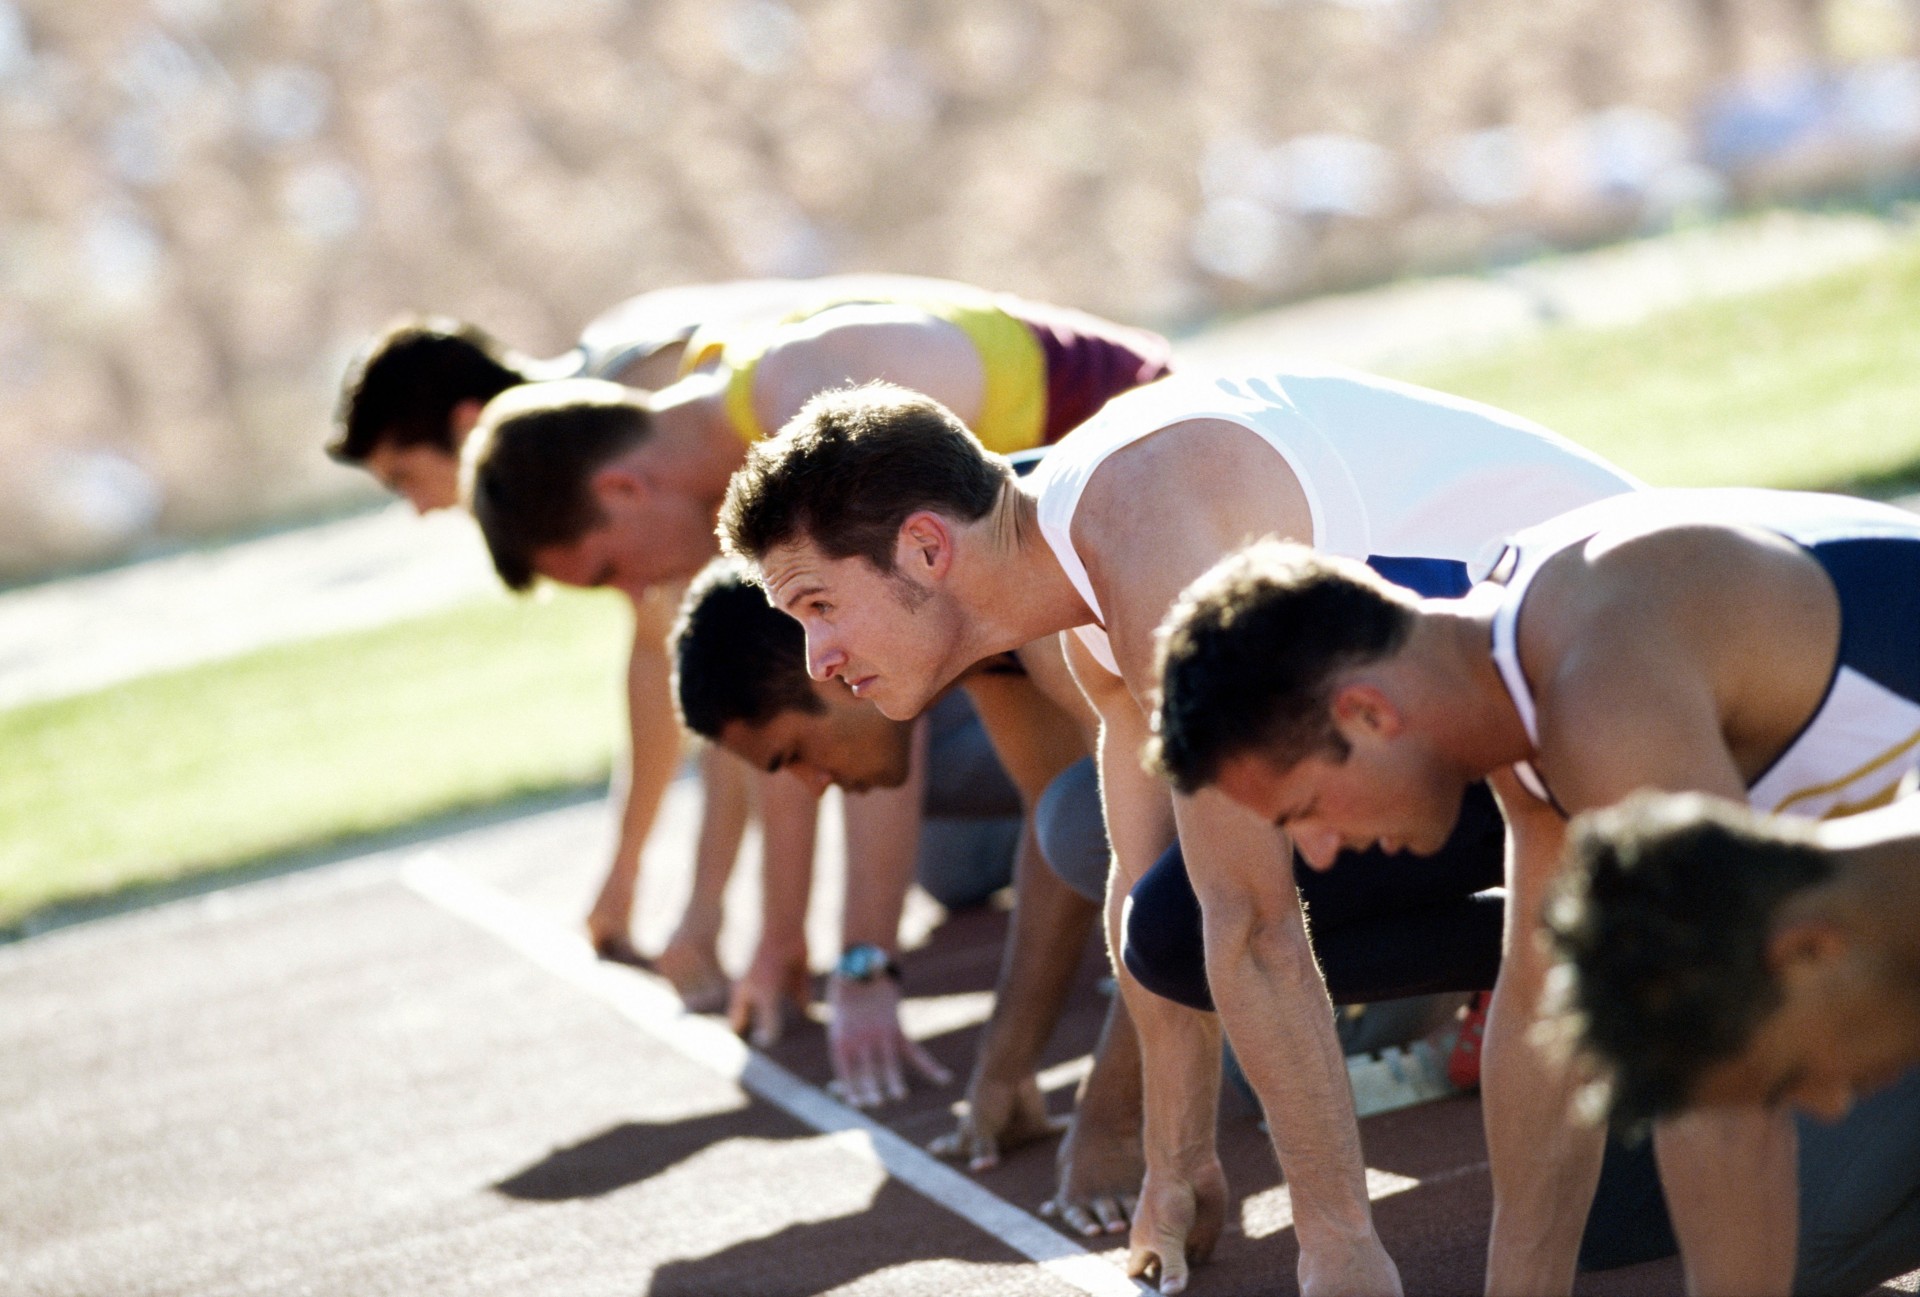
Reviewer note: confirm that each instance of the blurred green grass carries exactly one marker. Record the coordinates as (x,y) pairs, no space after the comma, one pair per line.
(1816,385)
(300,746)
(292,748)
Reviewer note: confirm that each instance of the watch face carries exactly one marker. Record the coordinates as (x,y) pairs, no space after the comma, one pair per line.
(861,963)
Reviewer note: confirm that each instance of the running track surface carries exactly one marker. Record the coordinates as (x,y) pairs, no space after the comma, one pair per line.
(405,1075)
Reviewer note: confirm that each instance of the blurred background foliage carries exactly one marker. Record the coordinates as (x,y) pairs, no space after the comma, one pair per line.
(206,204)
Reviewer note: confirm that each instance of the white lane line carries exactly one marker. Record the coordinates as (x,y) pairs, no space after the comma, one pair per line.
(655,1010)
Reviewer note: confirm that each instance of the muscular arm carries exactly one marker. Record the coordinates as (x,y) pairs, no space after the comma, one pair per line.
(778,974)
(883,843)
(1632,698)
(1544,1164)
(653,755)
(1035,741)
(1183,1196)
(1153,518)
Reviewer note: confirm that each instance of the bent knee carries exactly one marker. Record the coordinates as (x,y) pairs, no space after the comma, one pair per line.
(1161,941)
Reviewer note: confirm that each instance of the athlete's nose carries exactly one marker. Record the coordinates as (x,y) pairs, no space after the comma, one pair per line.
(816,779)
(824,659)
(1317,846)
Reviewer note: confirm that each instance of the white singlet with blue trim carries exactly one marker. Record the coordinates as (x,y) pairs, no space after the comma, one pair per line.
(1862,743)
(1423,485)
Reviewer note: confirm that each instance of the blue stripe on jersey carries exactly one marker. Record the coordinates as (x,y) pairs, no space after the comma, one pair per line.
(1025,461)
(1878,579)
(1430,578)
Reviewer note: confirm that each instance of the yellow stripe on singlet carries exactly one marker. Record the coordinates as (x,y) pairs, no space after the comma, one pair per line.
(1893,753)
(1013,406)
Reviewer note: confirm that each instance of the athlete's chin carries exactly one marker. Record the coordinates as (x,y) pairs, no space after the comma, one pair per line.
(894,701)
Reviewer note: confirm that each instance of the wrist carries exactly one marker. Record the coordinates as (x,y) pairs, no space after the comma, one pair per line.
(779,953)
(866,962)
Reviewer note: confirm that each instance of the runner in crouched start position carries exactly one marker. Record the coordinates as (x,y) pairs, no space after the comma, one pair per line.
(909,553)
(1752,645)
(591,484)
(741,680)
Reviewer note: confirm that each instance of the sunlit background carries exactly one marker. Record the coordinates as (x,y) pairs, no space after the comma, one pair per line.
(205,204)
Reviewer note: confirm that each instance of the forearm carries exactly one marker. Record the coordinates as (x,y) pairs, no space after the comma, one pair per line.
(726,806)
(1044,943)
(1732,1189)
(1274,1007)
(640,781)
(788,815)
(1544,1164)
(883,844)
(1179,1067)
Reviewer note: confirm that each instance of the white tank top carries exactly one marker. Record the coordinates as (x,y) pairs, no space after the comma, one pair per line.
(1390,471)
(1862,743)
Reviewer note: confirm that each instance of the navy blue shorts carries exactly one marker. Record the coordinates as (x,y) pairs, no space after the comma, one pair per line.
(1383,926)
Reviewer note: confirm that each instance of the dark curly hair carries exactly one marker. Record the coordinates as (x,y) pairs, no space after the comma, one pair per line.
(1662,921)
(1248,653)
(401,389)
(735,656)
(850,467)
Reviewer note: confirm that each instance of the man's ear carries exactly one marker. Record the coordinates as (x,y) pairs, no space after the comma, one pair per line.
(1806,944)
(924,548)
(460,420)
(617,484)
(1361,708)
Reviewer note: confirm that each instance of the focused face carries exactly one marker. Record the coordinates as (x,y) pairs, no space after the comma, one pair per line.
(849,744)
(1376,797)
(647,536)
(1838,1036)
(428,477)
(887,637)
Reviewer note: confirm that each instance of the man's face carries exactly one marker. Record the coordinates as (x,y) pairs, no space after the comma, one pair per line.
(1841,1033)
(427,476)
(1380,795)
(648,535)
(850,743)
(888,637)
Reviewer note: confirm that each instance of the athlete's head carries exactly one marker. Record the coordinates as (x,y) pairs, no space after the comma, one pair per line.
(558,476)
(409,400)
(740,679)
(850,518)
(1268,691)
(1707,962)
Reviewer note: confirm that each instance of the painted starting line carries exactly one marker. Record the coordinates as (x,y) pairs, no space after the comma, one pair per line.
(1382,1083)
(657,1011)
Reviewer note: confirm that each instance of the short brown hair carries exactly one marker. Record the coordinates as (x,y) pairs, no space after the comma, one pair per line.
(528,467)
(735,656)
(848,469)
(1662,920)
(1248,653)
(402,387)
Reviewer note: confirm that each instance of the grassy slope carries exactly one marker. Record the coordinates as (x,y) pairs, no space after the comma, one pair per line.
(1815,385)
(301,745)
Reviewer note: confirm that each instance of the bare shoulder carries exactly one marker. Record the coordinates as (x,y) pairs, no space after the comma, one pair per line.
(1195,483)
(1693,582)
(1673,657)
(863,343)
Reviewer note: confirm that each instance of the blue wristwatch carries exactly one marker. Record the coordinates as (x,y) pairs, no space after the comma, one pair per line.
(864,962)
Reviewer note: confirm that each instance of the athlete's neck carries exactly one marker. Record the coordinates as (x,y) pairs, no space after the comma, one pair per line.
(694,446)
(1468,708)
(1016,590)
